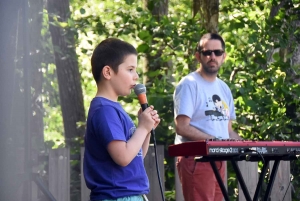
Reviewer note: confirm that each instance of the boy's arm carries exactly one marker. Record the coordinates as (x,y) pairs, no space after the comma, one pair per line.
(145,146)
(146,143)
(123,153)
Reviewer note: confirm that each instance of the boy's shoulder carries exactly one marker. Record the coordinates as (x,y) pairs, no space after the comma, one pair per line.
(101,101)
(104,107)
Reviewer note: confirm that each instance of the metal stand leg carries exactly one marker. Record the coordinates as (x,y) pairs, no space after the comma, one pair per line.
(241,180)
(261,179)
(271,181)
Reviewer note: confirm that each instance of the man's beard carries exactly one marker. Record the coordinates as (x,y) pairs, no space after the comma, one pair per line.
(211,70)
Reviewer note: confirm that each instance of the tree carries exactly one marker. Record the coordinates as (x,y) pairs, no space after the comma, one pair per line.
(70,92)
(209,14)
(158,9)
(69,83)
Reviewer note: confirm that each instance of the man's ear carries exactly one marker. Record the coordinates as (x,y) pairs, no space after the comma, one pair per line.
(198,56)
(106,72)
(224,56)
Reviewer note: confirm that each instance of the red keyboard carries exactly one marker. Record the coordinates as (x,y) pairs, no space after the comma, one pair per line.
(234,147)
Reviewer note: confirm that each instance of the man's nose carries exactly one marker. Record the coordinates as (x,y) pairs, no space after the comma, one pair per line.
(213,55)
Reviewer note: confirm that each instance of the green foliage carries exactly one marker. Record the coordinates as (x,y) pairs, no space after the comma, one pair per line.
(261,85)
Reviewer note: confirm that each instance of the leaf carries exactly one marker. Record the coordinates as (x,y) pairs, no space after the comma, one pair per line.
(63,24)
(144,35)
(82,11)
(276,56)
(143,48)
(129,2)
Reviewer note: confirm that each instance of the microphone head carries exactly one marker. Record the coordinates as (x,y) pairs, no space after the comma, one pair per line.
(139,89)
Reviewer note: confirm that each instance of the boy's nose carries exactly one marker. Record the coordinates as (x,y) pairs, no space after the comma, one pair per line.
(137,75)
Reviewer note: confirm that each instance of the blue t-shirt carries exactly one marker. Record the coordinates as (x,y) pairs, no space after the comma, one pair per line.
(107,121)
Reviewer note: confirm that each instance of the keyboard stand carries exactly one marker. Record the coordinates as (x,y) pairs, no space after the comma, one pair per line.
(234,159)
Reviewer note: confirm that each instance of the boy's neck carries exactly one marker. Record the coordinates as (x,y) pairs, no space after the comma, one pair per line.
(106,93)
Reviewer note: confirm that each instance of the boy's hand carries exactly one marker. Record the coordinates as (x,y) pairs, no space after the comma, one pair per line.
(149,119)
(155,117)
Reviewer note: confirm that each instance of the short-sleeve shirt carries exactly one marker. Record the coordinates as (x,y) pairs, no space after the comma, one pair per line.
(209,105)
(107,121)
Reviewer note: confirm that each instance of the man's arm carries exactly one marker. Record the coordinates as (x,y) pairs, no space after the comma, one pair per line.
(232,133)
(183,128)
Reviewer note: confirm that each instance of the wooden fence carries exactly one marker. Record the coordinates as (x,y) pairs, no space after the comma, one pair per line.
(59,178)
(59,175)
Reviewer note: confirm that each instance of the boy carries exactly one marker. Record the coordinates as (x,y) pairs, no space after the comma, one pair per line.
(114,147)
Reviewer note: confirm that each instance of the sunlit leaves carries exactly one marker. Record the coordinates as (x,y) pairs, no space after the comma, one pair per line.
(145,35)
(143,48)
(82,11)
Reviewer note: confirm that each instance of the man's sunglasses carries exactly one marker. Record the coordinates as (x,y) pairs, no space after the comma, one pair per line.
(216,52)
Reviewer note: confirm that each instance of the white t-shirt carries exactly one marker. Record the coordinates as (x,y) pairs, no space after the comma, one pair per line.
(208,104)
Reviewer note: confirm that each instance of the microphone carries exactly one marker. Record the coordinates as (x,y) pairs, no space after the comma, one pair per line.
(140,91)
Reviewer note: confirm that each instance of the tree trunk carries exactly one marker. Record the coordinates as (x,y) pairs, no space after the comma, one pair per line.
(209,20)
(209,14)
(196,7)
(296,59)
(70,92)
(158,9)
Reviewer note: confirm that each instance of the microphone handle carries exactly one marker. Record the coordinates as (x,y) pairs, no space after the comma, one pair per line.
(144,106)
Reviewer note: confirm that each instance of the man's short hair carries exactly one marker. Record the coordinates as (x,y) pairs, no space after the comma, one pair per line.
(210,36)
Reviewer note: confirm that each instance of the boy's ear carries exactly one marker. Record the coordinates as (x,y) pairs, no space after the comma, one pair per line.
(106,72)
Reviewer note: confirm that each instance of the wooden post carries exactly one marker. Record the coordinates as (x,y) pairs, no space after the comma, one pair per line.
(85,192)
(59,173)
(281,183)
(151,169)
(18,191)
(249,172)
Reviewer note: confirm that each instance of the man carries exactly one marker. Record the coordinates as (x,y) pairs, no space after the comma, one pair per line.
(204,109)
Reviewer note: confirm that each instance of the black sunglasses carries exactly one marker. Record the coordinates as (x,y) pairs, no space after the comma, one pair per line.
(216,52)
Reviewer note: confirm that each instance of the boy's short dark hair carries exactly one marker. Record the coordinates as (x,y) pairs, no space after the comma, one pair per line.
(210,36)
(110,52)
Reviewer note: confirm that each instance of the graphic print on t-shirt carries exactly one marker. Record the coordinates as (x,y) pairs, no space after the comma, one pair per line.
(131,131)
(218,110)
